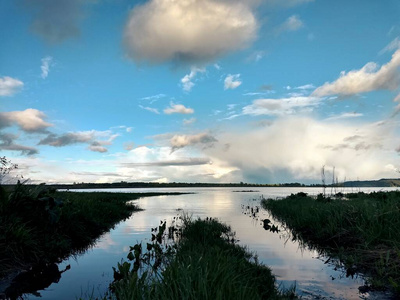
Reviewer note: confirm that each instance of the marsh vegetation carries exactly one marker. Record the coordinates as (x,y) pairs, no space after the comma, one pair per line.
(359,230)
(204,263)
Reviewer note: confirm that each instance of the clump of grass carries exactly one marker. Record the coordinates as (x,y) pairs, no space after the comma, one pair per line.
(206,263)
(361,230)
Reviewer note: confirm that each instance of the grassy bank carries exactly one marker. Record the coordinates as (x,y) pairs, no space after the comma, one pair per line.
(362,231)
(39,226)
(206,263)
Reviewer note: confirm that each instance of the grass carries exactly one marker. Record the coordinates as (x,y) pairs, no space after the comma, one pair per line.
(360,230)
(40,226)
(206,263)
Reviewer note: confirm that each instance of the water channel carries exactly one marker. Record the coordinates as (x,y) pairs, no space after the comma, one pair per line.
(91,272)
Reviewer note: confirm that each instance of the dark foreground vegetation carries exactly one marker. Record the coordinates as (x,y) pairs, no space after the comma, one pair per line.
(360,231)
(205,263)
(39,226)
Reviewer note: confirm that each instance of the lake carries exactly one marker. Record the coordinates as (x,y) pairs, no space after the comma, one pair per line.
(91,272)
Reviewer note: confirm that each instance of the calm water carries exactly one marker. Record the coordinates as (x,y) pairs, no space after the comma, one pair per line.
(91,272)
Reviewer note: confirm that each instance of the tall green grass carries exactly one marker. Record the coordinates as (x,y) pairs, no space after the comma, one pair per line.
(205,264)
(362,230)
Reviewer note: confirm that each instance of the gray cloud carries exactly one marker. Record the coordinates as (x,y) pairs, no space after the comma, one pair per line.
(191,32)
(81,137)
(56,20)
(169,163)
(180,141)
(7,143)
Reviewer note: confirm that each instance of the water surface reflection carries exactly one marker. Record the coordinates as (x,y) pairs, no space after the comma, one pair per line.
(91,272)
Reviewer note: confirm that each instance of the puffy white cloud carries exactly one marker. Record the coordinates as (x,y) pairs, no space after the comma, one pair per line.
(187,80)
(9,86)
(29,120)
(368,78)
(178,109)
(232,81)
(188,31)
(279,107)
(181,141)
(45,67)
(294,148)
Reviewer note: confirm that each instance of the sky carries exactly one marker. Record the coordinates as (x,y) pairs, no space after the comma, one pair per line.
(258,91)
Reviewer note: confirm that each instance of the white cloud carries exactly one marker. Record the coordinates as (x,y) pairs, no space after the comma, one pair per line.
(256,56)
(178,109)
(189,121)
(393,45)
(368,78)
(232,81)
(29,120)
(345,115)
(9,86)
(279,107)
(45,67)
(397,108)
(187,80)
(293,23)
(159,164)
(150,109)
(193,31)
(296,148)
(305,87)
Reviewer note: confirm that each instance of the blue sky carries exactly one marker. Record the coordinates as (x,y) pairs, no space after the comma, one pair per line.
(261,91)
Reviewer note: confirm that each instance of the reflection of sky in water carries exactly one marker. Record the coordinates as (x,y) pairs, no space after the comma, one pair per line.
(91,272)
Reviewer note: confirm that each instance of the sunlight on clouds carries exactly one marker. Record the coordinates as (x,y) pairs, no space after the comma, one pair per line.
(188,31)
(368,78)
(29,120)
(160,164)
(301,146)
